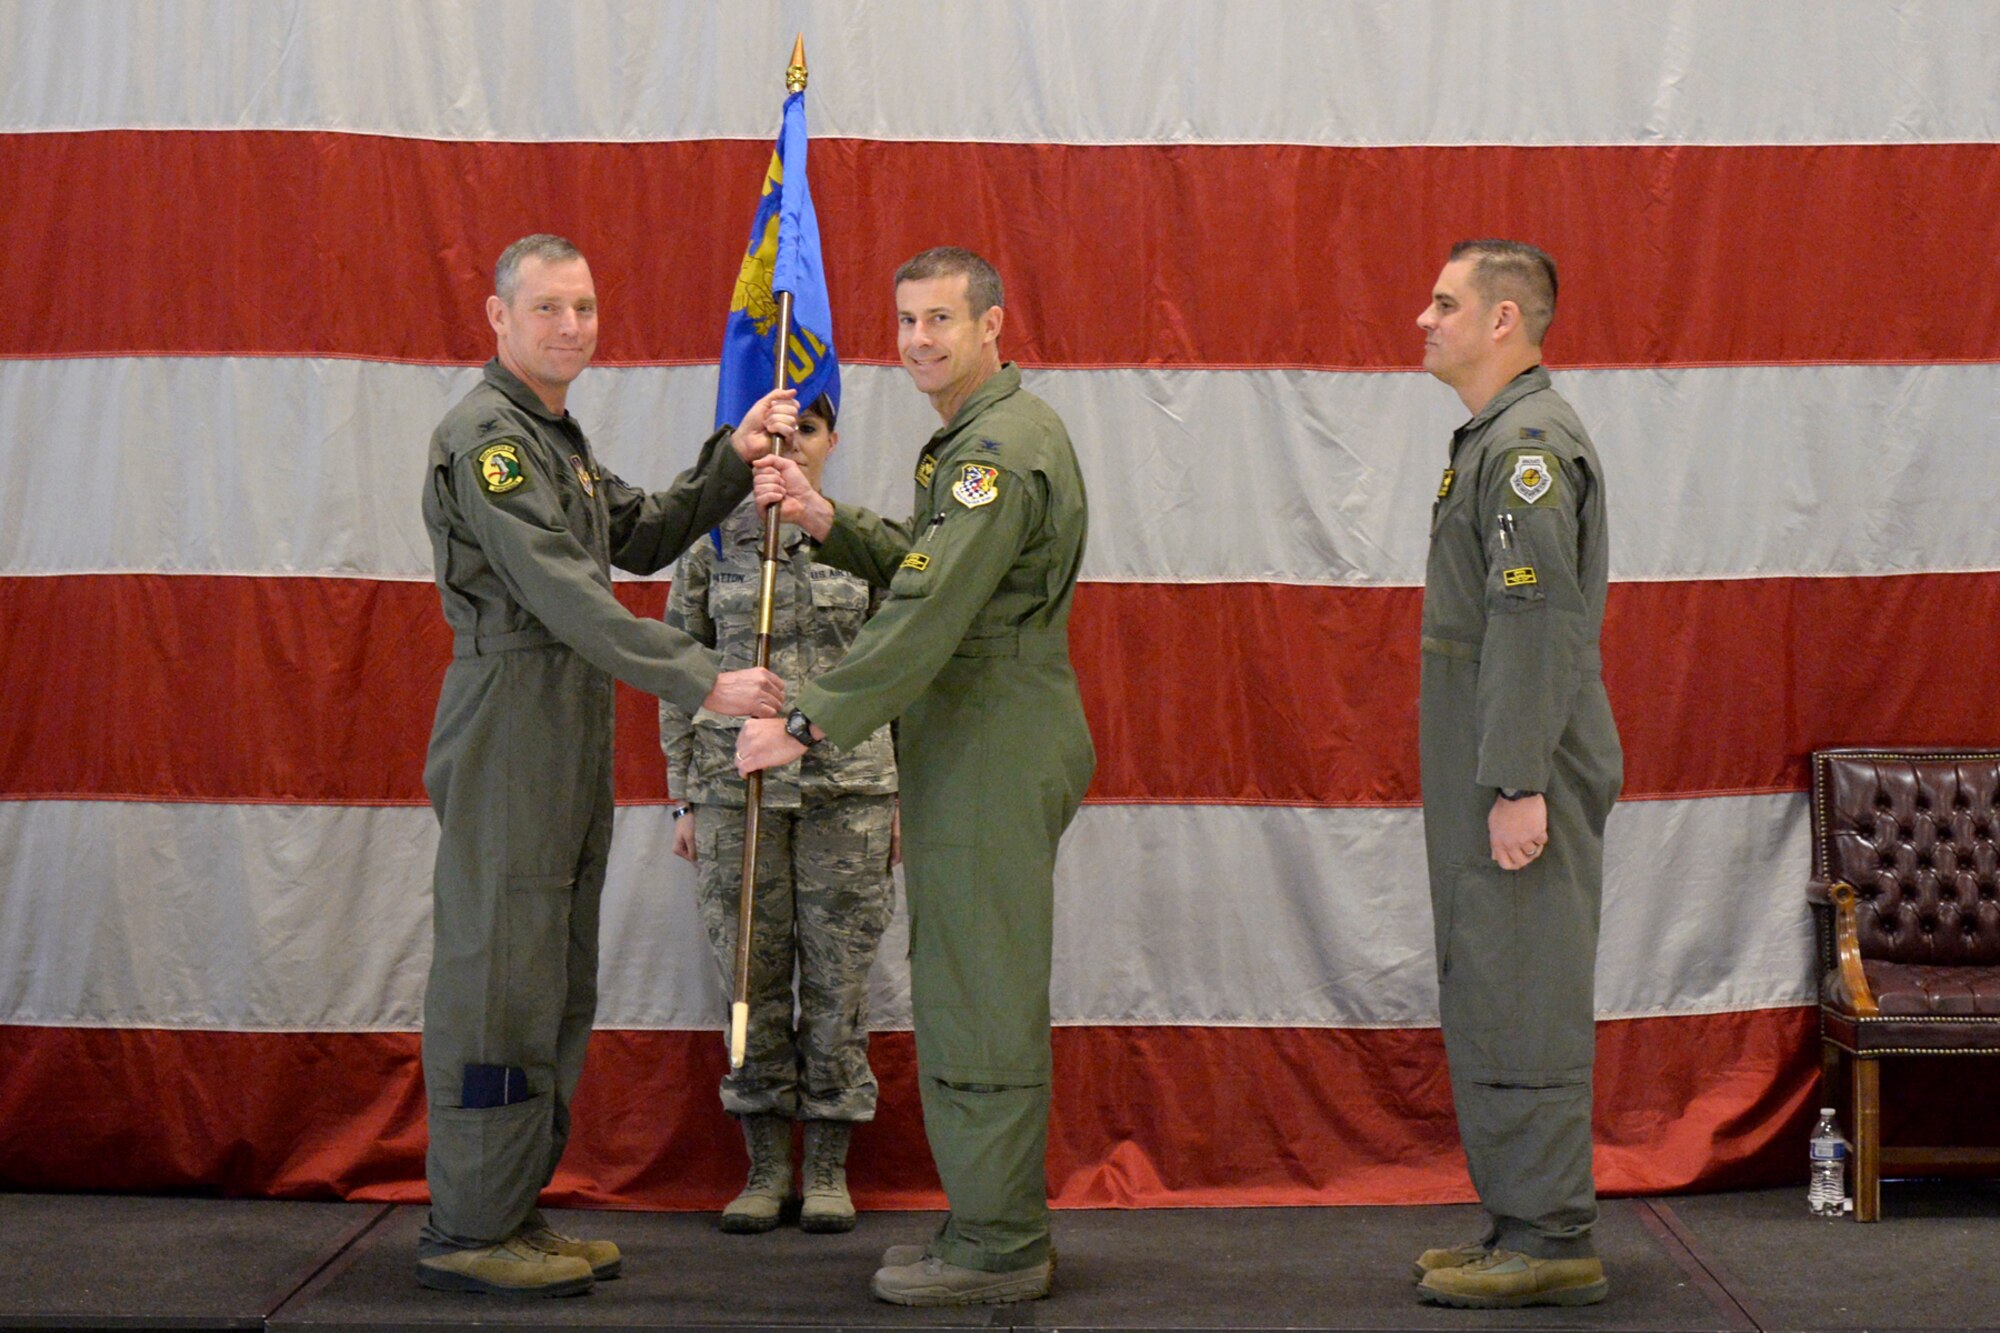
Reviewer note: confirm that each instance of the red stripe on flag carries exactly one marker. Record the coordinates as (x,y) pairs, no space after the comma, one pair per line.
(292,243)
(321,691)
(1142,1116)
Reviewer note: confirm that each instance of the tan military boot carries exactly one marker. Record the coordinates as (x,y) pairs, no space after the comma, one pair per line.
(762,1202)
(603,1257)
(511,1268)
(932,1281)
(902,1256)
(1504,1280)
(1449,1256)
(828,1207)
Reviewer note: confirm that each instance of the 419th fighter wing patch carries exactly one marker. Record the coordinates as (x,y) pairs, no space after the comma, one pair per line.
(977,485)
(500,467)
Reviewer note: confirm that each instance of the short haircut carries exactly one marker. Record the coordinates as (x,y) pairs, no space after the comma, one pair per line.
(1518,272)
(982,280)
(549,249)
(825,409)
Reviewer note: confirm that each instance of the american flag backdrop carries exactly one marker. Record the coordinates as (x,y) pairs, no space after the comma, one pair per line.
(243,255)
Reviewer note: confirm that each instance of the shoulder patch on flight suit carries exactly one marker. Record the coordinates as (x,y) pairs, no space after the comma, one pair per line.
(977,485)
(1533,433)
(500,468)
(1519,578)
(1530,477)
(1444,486)
(925,467)
(916,560)
(583,474)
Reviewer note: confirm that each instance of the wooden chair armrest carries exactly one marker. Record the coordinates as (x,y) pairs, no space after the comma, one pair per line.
(1847,946)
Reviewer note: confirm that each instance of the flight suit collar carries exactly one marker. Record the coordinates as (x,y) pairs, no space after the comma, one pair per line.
(1534,378)
(507,382)
(1004,383)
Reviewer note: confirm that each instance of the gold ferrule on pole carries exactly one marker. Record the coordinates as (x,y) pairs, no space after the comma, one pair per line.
(766,594)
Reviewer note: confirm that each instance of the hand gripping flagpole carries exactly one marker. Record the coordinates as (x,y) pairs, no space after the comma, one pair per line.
(753,797)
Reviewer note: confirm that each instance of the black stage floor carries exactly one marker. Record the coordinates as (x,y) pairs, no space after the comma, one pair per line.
(1750,1262)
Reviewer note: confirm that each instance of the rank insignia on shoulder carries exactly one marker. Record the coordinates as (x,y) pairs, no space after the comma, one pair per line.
(500,467)
(1519,578)
(1531,479)
(990,446)
(977,485)
(583,475)
(925,467)
(1533,433)
(916,560)
(1444,486)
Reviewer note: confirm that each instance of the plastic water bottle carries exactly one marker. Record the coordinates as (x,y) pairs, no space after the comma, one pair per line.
(1826,1195)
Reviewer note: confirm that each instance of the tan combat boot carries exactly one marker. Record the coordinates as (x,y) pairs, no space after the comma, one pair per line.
(828,1206)
(1505,1280)
(762,1202)
(511,1268)
(1449,1256)
(602,1255)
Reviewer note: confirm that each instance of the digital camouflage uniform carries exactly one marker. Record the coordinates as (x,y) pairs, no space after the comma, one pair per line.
(971,652)
(824,894)
(1513,697)
(524,528)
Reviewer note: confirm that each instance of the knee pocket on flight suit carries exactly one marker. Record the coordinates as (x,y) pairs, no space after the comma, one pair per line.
(487,1165)
(1515,1009)
(979,970)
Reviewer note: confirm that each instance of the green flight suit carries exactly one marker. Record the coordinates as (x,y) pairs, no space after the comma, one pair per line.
(971,652)
(1513,697)
(524,529)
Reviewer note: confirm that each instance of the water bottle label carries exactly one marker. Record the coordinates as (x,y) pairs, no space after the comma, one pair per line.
(1828,1152)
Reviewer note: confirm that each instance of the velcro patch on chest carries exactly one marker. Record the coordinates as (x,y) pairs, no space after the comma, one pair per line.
(916,560)
(926,466)
(977,485)
(1531,476)
(1519,578)
(500,467)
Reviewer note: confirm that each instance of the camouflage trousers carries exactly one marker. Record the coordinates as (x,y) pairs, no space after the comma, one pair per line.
(823,900)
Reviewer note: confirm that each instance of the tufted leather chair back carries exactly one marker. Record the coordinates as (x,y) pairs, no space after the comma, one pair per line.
(1917,833)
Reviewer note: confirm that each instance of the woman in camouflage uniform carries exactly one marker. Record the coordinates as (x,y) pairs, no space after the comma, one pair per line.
(826,840)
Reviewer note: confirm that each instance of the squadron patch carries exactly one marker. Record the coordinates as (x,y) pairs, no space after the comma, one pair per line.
(500,467)
(916,560)
(583,475)
(925,467)
(1444,486)
(1519,578)
(977,485)
(1531,479)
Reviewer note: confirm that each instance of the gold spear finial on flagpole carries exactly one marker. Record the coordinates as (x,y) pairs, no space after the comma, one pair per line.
(795,73)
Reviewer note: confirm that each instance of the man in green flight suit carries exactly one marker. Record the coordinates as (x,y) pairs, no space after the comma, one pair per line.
(971,652)
(1521,765)
(524,528)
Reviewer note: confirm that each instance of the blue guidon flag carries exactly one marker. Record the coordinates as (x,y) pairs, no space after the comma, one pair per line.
(783,256)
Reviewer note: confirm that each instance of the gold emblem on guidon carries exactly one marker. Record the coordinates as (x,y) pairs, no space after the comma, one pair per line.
(500,467)
(977,485)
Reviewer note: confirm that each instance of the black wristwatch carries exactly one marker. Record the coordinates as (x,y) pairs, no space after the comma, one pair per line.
(1510,794)
(800,728)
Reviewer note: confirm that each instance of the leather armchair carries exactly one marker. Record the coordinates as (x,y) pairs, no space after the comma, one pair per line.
(1906,909)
